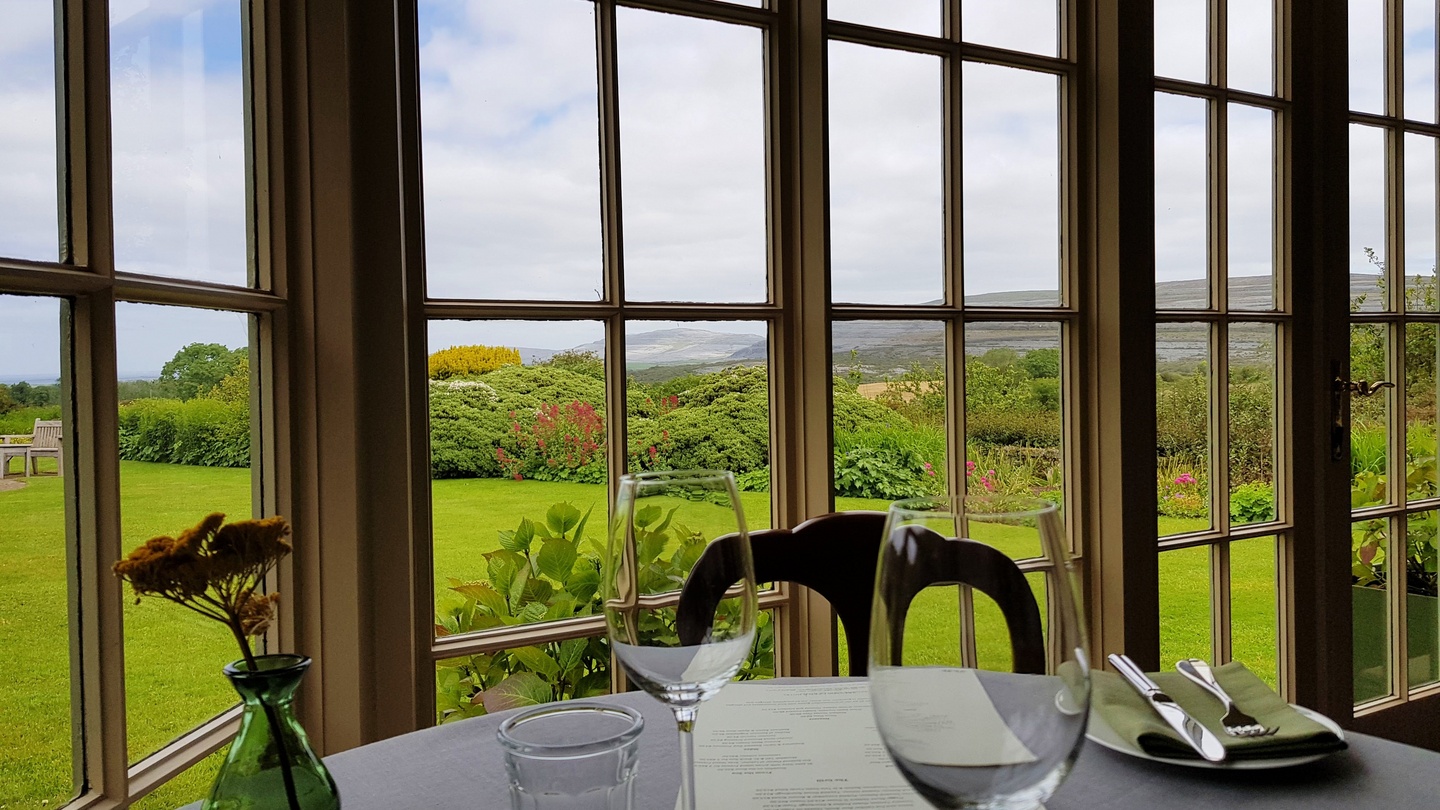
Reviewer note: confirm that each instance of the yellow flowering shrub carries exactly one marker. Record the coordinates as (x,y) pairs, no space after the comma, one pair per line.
(463,361)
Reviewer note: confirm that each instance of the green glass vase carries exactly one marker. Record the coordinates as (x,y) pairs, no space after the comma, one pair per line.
(271,765)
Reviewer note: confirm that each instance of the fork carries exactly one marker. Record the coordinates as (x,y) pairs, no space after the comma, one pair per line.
(1235,722)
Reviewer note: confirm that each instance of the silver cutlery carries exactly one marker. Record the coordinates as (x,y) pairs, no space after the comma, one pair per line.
(1235,722)
(1202,739)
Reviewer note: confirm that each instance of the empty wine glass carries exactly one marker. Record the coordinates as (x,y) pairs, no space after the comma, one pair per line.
(661,524)
(1002,729)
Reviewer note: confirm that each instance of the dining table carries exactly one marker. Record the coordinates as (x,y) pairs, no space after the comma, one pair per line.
(459,766)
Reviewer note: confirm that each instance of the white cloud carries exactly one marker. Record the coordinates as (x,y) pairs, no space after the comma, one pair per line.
(29,213)
(916,16)
(1181,43)
(1181,242)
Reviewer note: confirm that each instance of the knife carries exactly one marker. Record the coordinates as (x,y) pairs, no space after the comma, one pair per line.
(1202,739)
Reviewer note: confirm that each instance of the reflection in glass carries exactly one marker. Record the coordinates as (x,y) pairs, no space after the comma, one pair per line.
(887,240)
(1419,34)
(178,137)
(1422,625)
(511,158)
(1253,375)
(692,149)
(1182,426)
(889,409)
(1250,44)
(1182,247)
(29,205)
(1421,448)
(1251,132)
(1367,55)
(1370,601)
(1181,42)
(1019,25)
(1420,179)
(1255,607)
(573,669)
(915,16)
(1011,186)
(1185,630)
(185,452)
(1369,416)
(1013,419)
(698,397)
(517,433)
(35,736)
(1367,220)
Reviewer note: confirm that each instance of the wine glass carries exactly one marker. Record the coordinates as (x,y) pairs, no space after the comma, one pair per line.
(1002,729)
(661,524)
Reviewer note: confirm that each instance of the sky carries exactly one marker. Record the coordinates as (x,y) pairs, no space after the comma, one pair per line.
(511,162)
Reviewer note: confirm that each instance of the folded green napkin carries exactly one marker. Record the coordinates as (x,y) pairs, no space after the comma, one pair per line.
(1133,719)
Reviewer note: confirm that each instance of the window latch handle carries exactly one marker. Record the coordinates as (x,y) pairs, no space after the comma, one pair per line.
(1341,390)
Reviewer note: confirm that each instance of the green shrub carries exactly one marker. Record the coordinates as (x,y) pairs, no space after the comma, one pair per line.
(470,361)
(1252,503)
(21,421)
(198,432)
(1014,428)
(754,480)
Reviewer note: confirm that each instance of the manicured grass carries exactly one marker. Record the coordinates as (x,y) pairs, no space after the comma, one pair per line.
(173,658)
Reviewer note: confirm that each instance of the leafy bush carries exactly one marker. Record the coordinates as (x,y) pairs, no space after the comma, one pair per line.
(754,481)
(1252,503)
(470,361)
(198,432)
(1369,539)
(1181,490)
(7,402)
(588,364)
(22,420)
(1013,428)
(546,571)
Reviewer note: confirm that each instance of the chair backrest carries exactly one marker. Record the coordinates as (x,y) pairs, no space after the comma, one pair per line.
(836,556)
(833,554)
(47,434)
(957,561)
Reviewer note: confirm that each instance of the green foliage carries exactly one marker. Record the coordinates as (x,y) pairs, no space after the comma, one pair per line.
(235,387)
(200,432)
(548,570)
(1252,503)
(7,402)
(991,388)
(22,420)
(588,364)
(889,464)
(199,367)
(128,390)
(1041,364)
(1369,539)
(754,480)
(34,396)
(1017,428)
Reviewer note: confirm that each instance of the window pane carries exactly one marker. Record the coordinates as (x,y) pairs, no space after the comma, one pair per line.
(886,129)
(185,452)
(992,635)
(692,146)
(1184,605)
(698,397)
(1013,420)
(35,737)
(1422,625)
(916,16)
(1251,46)
(1421,448)
(511,150)
(1371,605)
(1182,247)
(889,412)
(1420,60)
(178,112)
(517,440)
(1254,607)
(1367,219)
(1253,375)
(29,206)
(1181,43)
(1251,181)
(1020,25)
(1182,422)
(1367,55)
(1420,179)
(1012,184)
(1369,416)
(470,686)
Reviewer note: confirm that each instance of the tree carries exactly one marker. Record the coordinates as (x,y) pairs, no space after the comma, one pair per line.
(199,367)
(7,403)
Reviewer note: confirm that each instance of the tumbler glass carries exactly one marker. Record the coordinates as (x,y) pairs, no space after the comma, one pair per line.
(572,756)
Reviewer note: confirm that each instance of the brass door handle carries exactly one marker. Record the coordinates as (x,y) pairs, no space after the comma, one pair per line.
(1341,390)
(1360,388)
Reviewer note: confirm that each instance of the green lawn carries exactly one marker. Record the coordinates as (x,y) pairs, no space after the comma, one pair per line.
(173,658)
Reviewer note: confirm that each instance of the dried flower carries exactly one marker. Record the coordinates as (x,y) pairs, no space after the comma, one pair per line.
(215,569)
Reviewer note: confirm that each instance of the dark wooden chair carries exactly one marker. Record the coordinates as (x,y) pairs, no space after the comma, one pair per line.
(835,555)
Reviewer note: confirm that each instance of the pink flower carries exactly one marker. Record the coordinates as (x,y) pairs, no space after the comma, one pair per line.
(1185,478)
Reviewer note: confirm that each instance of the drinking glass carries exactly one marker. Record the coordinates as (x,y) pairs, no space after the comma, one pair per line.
(1002,729)
(662,523)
